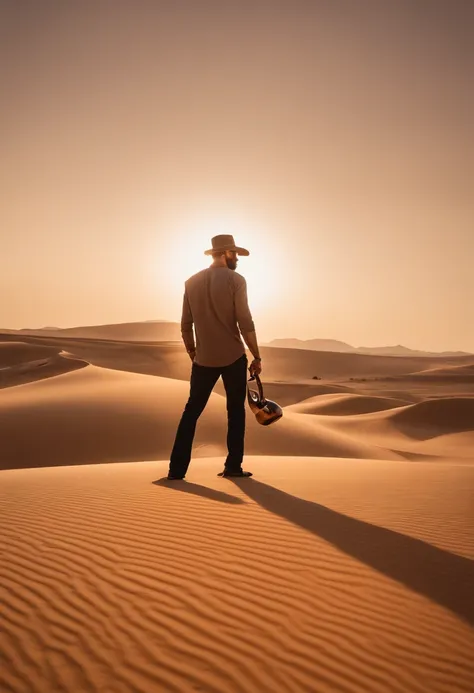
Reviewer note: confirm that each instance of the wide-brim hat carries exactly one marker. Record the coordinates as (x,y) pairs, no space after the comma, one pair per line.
(225,242)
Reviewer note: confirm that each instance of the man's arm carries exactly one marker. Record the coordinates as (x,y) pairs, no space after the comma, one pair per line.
(187,327)
(245,320)
(250,338)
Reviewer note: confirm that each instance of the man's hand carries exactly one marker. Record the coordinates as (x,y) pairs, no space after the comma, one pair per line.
(192,354)
(255,367)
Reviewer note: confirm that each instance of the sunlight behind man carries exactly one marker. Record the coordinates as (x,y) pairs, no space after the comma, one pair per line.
(189,245)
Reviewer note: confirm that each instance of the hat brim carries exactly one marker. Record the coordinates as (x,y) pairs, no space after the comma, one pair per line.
(234,248)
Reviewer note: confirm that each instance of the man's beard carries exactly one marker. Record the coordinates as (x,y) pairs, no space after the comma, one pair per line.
(231,263)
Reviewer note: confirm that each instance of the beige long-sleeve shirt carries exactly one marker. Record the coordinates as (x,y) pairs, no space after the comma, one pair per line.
(215,302)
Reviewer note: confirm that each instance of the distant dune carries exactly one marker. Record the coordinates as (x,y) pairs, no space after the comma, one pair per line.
(134,331)
(456,373)
(15,352)
(162,330)
(313,344)
(170,360)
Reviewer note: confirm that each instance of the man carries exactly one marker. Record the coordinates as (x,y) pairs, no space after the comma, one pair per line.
(215,301)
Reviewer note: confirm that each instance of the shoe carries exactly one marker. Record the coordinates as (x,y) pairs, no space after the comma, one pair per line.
(239,473)
(170,477)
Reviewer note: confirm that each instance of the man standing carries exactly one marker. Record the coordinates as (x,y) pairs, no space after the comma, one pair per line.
(215,301)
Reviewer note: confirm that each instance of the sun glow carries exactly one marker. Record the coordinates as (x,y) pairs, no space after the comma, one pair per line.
(184,256)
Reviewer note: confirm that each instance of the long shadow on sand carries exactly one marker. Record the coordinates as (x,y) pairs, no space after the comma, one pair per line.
(198,490)
(443,577)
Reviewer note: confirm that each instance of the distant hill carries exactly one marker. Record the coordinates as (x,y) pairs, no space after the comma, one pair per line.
(400,350)
(313,344)
(164,331)
(343,347)
(150,331)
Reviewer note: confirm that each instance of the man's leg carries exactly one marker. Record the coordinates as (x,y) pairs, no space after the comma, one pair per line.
(235,383)
(203,380)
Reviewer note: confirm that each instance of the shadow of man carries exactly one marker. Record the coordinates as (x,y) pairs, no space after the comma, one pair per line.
(443,577)
(198,490)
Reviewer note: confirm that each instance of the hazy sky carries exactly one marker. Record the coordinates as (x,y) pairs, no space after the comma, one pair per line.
(333,138)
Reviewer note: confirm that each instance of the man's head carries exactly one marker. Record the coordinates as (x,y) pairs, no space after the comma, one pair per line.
(228,257)
(224,251)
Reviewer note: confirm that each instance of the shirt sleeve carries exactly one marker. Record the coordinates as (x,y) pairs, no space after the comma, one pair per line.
(242,310)
(187,324)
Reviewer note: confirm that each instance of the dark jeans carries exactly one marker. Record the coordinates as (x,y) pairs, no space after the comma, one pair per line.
(203,379)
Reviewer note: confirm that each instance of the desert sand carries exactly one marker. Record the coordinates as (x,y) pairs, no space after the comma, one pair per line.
(345,564)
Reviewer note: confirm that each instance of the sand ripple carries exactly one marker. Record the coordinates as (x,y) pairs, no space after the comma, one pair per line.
(111,583)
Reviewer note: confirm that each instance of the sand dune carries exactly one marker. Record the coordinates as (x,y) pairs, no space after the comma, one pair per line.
(466,369)
(321,576)
(156,330)
(83,413)
(442,428)
(462,373)
(344,404)
(345,565)
(168,359)
(441,415)
(300,363)
(100,415)
(23,363)
(39,369)
(289,393)
(431,417)
(13,353)
(434,416)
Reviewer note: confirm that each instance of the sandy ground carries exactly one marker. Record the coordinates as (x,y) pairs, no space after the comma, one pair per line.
(345,564)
